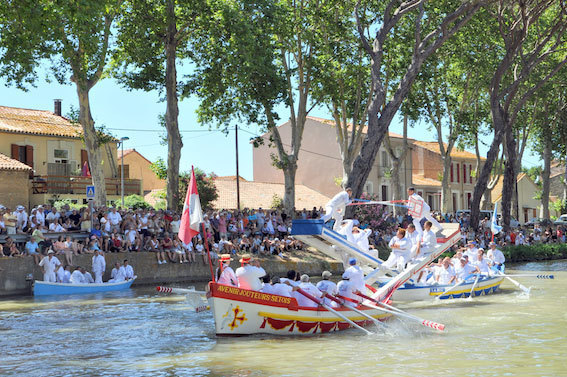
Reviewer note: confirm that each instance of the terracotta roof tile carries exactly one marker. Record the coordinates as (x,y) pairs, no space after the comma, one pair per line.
(126,152)
(231,178)
(364,130)
(420,180)
(7,163)
(36,122)
(433,146)
(260,194)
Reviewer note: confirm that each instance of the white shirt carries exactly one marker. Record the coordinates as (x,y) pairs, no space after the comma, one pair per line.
(356,278)
(88,277)
(77,278)
(429,240)
(249,277)
(361,239)
(404,245)
(482,266)
(496,256)
(21,218)
(463,272)
(417,198)
(445,274)
(329,287)
(313,291)
(413,237)
(281,289)
(99,263)
(114,218)
(346,289)
(339,201)
(49,265)
(228,277)
(128,272)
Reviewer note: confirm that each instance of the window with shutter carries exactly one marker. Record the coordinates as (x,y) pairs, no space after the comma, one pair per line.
(458,173)
(452,173)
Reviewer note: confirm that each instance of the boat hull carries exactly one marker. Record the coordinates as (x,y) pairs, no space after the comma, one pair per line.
(243,312)
(410,292)
(42,288)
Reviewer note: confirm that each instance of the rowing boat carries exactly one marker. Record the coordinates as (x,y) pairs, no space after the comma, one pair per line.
(43,288)
(238,311)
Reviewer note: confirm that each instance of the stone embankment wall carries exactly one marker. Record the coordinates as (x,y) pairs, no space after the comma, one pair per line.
(15,271)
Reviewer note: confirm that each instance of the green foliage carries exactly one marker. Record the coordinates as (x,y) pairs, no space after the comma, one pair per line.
(559,206)
(136,202)
(159,167)
(277,202)
(205,186)
(104,136)
(537,252)
(62,202)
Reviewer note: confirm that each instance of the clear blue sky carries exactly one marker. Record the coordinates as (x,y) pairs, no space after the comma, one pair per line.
(135,114)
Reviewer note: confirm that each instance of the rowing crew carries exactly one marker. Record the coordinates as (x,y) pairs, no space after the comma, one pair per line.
(408,245)
(462,265)
(253,277)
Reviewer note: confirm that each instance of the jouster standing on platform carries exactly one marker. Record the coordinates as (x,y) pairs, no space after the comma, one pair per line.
(416,200)
(335,208)
(227,276)
(249,273)
(49,264)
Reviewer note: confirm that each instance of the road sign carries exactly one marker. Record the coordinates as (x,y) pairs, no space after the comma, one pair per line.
(90,192)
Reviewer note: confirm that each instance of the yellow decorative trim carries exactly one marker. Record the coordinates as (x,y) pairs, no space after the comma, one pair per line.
(466,290)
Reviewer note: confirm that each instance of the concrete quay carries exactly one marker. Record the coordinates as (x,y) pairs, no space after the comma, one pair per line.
(14,272)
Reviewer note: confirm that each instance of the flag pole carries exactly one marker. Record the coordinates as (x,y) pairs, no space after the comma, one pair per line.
(208,252)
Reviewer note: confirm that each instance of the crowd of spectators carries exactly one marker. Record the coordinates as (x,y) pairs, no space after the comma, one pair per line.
(260,231)
(257,231)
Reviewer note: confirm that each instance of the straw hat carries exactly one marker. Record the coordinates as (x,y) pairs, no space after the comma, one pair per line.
(246,258)
(225,258)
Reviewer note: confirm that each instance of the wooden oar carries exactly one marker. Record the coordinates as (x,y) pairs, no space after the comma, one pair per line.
(446,292)
(319,302)
(181,291)
(473,286)
(353,309)
(395,311)
(523,288)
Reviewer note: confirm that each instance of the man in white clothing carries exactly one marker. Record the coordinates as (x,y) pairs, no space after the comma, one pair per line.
(414,237)
(471,251)
(277,288)
(495,256)
(118,273)
(227,276)
(446,274)
(335,208)
(77,277)
(414,201)
(346,289)
(465,269)
(98,265)
(308,287)
(249,273)
(401,251)
(481,263)
(361,238)
(21,217)
(428,240)
(88,277)
(50,264)
(328,287)
(115,218)
(128,270)
(356,275)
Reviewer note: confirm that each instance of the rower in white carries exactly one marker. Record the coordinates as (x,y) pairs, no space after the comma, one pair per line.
(356,276)
(327,286)
(335,208)
(77,277)
(345,289)
(471,252)
(50,264)
(464,269)
(227,275)
(416,200)
(481,263)
(128,270)
(495,256)
(249,273)
(401,251)
(446,274)
(308,287)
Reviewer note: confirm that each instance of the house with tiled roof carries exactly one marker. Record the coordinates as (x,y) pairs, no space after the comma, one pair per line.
(14,182)
(52,147)
(428,173)
(262,194)
(137,167)
(529,206)
(320,165)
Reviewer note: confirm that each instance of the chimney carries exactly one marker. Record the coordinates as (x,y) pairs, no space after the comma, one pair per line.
(57,107)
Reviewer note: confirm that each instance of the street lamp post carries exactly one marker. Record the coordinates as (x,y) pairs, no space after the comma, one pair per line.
(122,140)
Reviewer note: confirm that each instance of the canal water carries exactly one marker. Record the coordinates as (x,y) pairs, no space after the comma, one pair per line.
(143,333)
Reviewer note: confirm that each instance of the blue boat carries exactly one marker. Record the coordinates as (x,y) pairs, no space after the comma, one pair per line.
(42,288)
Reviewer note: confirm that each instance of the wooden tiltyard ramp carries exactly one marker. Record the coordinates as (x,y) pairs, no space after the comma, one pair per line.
(446,238)
(315,234)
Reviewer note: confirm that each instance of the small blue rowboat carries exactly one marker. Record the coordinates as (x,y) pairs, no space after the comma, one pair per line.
(42,288)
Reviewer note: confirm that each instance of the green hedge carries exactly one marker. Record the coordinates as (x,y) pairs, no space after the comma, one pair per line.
(537,252)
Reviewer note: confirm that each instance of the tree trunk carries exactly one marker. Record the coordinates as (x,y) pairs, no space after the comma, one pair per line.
(509,181)
(174,143)
(446,202)
(289,186)
(92,144)
(565,181)
(546,172)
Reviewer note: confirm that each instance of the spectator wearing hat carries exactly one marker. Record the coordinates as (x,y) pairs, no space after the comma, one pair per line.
(49,266)
(21,217)
(227,276)
(249,273)
(328,287)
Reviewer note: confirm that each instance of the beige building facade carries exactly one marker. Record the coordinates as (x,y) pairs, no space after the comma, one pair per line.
(320,164)
(137,166)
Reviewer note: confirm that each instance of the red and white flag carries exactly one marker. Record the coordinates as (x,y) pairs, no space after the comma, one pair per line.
(192,215)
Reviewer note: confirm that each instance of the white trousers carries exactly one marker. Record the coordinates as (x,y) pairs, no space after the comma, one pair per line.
(331,212)
(98,276)
(428,216)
